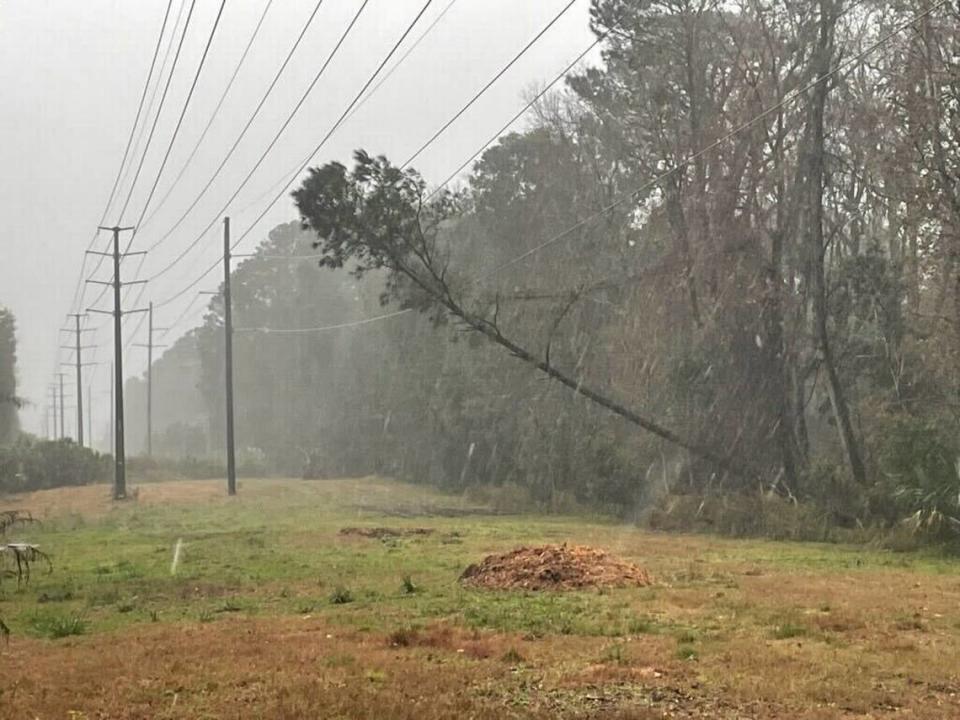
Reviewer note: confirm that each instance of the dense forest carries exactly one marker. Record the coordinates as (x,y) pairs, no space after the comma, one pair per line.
(719,270)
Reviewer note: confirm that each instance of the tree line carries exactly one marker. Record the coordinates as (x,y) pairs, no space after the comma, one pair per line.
(723,263)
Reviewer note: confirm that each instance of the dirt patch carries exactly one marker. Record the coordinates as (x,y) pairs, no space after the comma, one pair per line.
(554,567)
(379,533)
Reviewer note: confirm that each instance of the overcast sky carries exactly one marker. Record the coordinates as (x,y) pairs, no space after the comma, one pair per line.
(71,75)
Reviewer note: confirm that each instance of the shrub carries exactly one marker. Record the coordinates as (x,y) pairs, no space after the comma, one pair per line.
(921,468)
(33,464)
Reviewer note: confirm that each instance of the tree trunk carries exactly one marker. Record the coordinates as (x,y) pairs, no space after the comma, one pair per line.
(815,159)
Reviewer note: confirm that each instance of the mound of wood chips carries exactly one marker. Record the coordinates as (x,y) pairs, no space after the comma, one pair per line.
(554,567)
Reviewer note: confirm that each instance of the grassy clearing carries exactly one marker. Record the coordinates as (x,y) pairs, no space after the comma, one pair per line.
(730,626)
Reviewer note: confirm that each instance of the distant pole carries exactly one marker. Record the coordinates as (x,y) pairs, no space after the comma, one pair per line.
(62,413)
(89,416)
(78,348)
(150,345)
(228,357)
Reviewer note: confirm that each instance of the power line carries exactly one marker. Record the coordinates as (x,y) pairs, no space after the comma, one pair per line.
(156,118)
(324,328)
(153,128)
(273,142)
(788,99)
(296,170)
(183,112)
(486,87)
(736,131)
(246,127)
(173,138)
(213,116)
(520,113)
(77,293)
(333,129)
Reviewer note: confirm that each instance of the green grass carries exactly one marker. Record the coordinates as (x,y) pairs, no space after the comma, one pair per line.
(275,550)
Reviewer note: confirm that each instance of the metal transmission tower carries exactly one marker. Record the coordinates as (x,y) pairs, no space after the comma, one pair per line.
(77,349)
(228,356)
(120,469)
(150,345)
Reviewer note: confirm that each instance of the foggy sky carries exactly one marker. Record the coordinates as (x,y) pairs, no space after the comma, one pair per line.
(71,75)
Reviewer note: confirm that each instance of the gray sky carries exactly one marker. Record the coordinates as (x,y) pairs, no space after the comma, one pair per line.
(71,75)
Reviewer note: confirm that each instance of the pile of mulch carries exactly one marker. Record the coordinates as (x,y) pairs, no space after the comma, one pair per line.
(379,533)
(554,567)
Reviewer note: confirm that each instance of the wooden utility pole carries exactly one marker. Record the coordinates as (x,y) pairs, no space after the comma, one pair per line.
(228,358)
(119,456)
(150,345)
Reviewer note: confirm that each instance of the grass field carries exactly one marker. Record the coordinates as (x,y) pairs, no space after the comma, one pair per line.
(272,613)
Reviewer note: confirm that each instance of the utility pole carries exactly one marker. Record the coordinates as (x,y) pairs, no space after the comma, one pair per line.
(89,416)
(52,388)
(62,413)
(228,356)
(150,345)
(112,406)
(78,361)
(120,469)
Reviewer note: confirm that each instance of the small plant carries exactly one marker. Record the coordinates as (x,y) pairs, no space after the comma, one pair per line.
(408,587)
(56,595)
(789,630)
(512,657)
(402,637)
(686,652)
(230,606)
(59,626)
(154,616)
(206,615)
(339,661)
(126,607)
(341,596)
(641,626)
(614,654)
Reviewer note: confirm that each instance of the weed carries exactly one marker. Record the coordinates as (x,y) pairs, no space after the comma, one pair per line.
(686,652)
(686,637)
(126,607)
(339,660)
(614,654)
(789,630)
(154,616)
(341,596)
(230,606)
(375,676)
(109,596)
(206,615)
(58,626)
(402,637)
(641,626)
(408,587)
(512,657)
(56,595)
(306,608)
